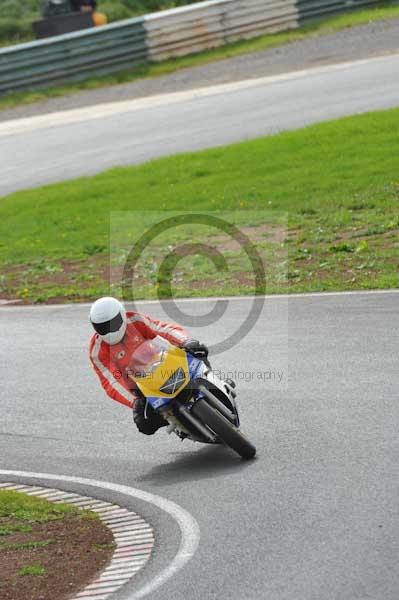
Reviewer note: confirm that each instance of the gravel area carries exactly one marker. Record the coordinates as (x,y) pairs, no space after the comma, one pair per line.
(363,41)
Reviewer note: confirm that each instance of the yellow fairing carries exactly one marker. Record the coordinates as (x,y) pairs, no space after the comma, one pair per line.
(151,384)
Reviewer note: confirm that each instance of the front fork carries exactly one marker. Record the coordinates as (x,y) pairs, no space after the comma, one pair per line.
(227,388)
(200,376)
(200,392)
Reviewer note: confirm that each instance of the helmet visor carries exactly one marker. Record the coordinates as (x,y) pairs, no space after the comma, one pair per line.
(109,326)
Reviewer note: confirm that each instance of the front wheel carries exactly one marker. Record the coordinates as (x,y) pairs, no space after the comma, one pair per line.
(224,429)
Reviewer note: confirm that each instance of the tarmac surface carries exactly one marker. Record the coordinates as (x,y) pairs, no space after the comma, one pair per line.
(314,516)
(81,142)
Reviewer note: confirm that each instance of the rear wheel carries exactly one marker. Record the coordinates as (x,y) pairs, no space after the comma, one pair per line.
(224,429)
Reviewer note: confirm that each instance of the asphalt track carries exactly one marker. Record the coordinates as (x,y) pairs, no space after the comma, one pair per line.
(60,146)
(315,516)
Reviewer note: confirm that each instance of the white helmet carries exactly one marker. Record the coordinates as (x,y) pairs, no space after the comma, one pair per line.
(108,317)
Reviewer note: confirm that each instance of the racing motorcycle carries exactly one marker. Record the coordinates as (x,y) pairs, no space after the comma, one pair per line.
(196,403)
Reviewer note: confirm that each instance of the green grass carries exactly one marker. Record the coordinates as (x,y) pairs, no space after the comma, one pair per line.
(32,570)
(29,509)
(316,28)
(320,204)
(19,512)
(32,545)
(104,547)
(14,528)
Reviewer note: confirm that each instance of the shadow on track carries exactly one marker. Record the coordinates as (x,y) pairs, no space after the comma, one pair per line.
(207,463)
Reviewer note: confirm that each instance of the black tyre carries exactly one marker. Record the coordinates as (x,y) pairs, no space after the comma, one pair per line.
(224,429)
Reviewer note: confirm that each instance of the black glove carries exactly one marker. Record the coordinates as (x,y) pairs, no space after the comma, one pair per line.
(195,348)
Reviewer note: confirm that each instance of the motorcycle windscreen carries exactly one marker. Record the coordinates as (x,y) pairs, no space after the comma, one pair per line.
(147,357)
(159,369)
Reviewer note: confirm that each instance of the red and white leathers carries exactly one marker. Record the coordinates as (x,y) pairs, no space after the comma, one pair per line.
(111,362)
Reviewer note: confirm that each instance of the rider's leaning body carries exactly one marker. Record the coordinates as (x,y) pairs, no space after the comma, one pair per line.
(118,334)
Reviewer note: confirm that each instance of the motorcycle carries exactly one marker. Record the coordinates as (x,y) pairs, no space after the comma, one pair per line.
(196,403)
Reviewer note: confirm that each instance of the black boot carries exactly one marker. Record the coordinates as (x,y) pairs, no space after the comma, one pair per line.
(147,420)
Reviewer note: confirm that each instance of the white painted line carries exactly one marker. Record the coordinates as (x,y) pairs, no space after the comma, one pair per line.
(15,487)
(30,491)
(86,502)
(108,511)
(116,579)
(55,496)
(101,111)
(190,533)
(119,569)
(304,295)
(131,568)
(105,586)
(95,594)
(61,500)
(128,567)
(129,527)
(122,520)
(134,547)
(120,576)
(82,499)
(133,540)
(133,543)
(142,552)
(119,534)
(130,561)
(99,507)
(135,534)
(127,558)
(34,490)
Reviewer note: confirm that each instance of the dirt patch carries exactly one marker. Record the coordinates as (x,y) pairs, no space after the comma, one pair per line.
(274,234)
(241,279)
(27,283)
(54,560)
(55,282)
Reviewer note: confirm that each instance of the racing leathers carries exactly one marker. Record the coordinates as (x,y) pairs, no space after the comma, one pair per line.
(111,363)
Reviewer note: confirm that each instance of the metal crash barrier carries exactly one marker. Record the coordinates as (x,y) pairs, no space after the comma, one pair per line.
(155,37)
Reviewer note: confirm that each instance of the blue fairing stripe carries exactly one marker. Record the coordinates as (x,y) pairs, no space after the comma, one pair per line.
(157,402)
(195,366)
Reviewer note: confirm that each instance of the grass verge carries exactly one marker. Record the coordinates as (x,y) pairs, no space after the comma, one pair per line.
(48,550)
(29,509)
(321,205)
(316,28)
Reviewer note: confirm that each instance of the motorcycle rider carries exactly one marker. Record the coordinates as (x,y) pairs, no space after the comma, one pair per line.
(118,334)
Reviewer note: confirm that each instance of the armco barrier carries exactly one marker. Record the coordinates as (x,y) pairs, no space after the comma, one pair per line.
(73,56)
(313,9)
(155,37)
